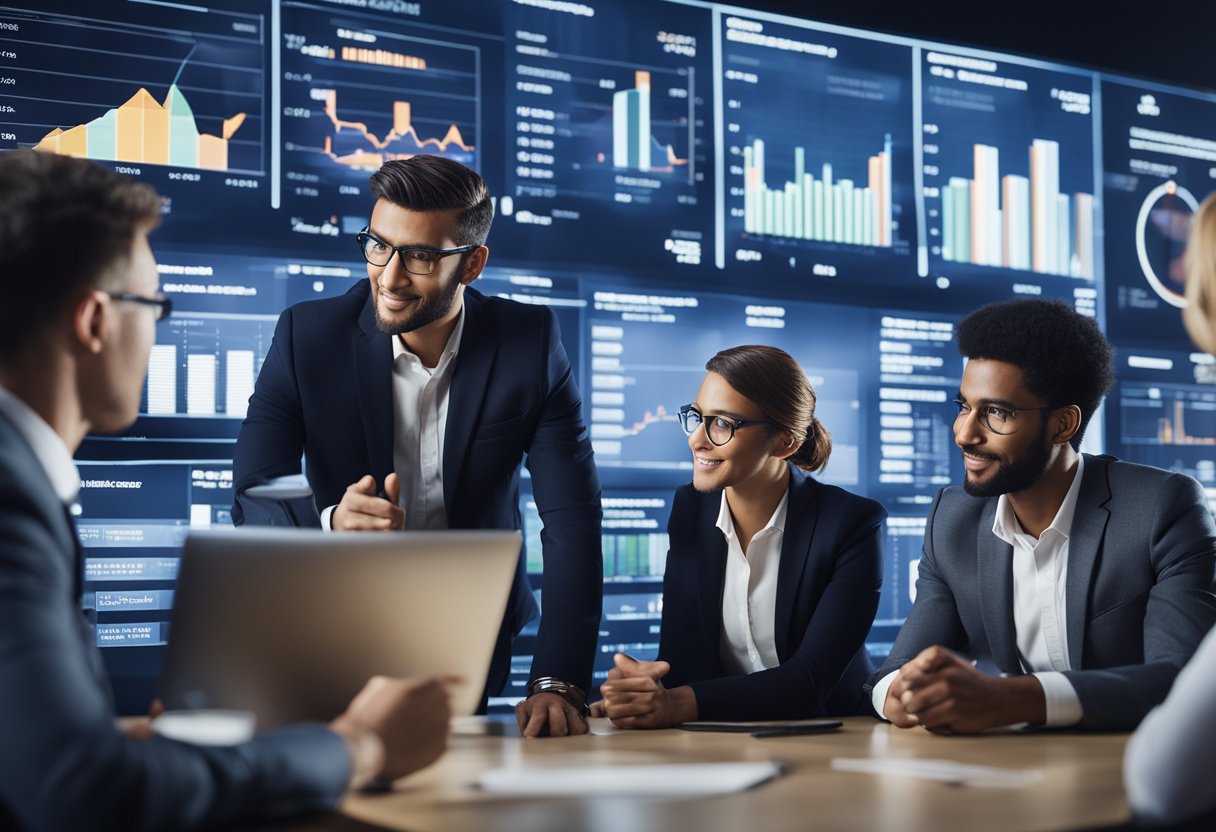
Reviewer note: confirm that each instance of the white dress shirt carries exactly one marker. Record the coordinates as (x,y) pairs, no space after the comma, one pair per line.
(420,416)
(749,593)
(47,445)
(1040,614)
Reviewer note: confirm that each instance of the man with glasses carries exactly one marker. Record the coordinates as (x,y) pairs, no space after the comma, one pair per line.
(74,346)
(414,399)
(1056,589)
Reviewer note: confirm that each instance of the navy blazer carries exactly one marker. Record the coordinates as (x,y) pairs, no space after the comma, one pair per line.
(325,390)
(1141,561)
(63,763)
(828,582)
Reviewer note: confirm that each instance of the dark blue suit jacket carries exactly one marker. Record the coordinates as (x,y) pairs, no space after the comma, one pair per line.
(828,582)
(63,764)
(1139,591)
(325,390)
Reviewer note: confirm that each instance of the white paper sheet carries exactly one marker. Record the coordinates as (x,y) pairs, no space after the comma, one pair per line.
(697,779)
(944,771)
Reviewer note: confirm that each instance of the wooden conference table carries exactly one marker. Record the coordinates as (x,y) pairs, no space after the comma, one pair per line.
(1081,784)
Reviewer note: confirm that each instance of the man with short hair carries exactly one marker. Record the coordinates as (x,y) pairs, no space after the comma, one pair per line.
(1085,582)
(75,337)
(414,399)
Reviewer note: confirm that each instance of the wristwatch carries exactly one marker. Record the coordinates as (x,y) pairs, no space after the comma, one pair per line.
(573,694)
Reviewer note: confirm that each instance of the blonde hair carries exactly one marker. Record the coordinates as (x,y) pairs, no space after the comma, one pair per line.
(1199,316)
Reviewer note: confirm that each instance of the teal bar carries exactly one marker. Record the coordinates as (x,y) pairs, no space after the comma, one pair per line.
(101,137)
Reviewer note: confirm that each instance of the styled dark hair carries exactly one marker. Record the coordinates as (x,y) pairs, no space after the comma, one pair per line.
(65,224)
(433,183)
(775,383)
(1064,357)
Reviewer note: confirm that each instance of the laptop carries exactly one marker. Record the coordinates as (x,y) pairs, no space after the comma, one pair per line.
(290,623)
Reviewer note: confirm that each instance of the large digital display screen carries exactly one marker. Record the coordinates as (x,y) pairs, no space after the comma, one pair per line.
(671,178)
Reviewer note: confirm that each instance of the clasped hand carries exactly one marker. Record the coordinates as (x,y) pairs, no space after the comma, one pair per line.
(634,696)
(946,694)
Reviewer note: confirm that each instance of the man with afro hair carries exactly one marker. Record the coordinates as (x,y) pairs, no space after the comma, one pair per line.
(1056,589)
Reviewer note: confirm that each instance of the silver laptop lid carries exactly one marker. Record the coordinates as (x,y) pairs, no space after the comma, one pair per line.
(290,623)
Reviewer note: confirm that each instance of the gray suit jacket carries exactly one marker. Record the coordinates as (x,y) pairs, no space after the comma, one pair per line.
(63,764)
(1139,589)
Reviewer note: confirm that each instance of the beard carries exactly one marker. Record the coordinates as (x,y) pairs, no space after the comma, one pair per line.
(1017,475)
(428,311)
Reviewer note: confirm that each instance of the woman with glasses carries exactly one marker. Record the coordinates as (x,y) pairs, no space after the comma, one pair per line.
(772,578)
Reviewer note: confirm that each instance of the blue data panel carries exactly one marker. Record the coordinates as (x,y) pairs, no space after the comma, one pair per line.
(635,543)
(362,89)
(817,166)
(608,122)
(1159,152)
(207,355)
(1009,179)
(912,379)
(174,96)
(134,518)
(1162,412)
(647,354)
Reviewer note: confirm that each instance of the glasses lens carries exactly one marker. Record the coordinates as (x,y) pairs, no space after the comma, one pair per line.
(997,423)
(719,430)
(689,419)
(419,262)
(375,252)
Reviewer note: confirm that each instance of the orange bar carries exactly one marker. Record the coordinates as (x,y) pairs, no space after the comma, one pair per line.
(642,80)
(130,143)
(75,142)
(212,152)
(156,133)
(50,142)
(401,117)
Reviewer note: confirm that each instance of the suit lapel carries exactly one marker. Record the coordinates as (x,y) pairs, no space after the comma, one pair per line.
(1084,541)
(373,352)
(711,549)
(801,517)
(470,379)
(996,592)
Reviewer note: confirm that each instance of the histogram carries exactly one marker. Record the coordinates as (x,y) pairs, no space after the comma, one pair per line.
(806,208)
(1018,222)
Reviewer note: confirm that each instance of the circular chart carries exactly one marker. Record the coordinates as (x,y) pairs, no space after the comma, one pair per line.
(1161,231)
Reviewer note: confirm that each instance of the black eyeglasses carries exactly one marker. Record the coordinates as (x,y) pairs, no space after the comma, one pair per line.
(420,260)
(718,429)
(996,418)
(162,303)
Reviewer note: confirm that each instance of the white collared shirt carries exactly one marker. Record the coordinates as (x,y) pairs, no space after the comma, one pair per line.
(749,593)
(1040,620)
(47,446)
(420,415)
(1040,613)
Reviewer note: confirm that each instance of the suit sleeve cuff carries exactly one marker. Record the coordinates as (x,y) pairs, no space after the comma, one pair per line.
(327,517)
(879,697)
(1063,705)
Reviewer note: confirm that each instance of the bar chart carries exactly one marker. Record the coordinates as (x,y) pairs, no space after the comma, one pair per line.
(1018,222)
(633,144)
(206,365)
(817,174)
(182,92)
(808,208)
(143,130)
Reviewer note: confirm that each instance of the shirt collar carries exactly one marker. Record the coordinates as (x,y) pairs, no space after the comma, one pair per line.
(726,523)
(449,352)
(1006,526)
(48,446)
